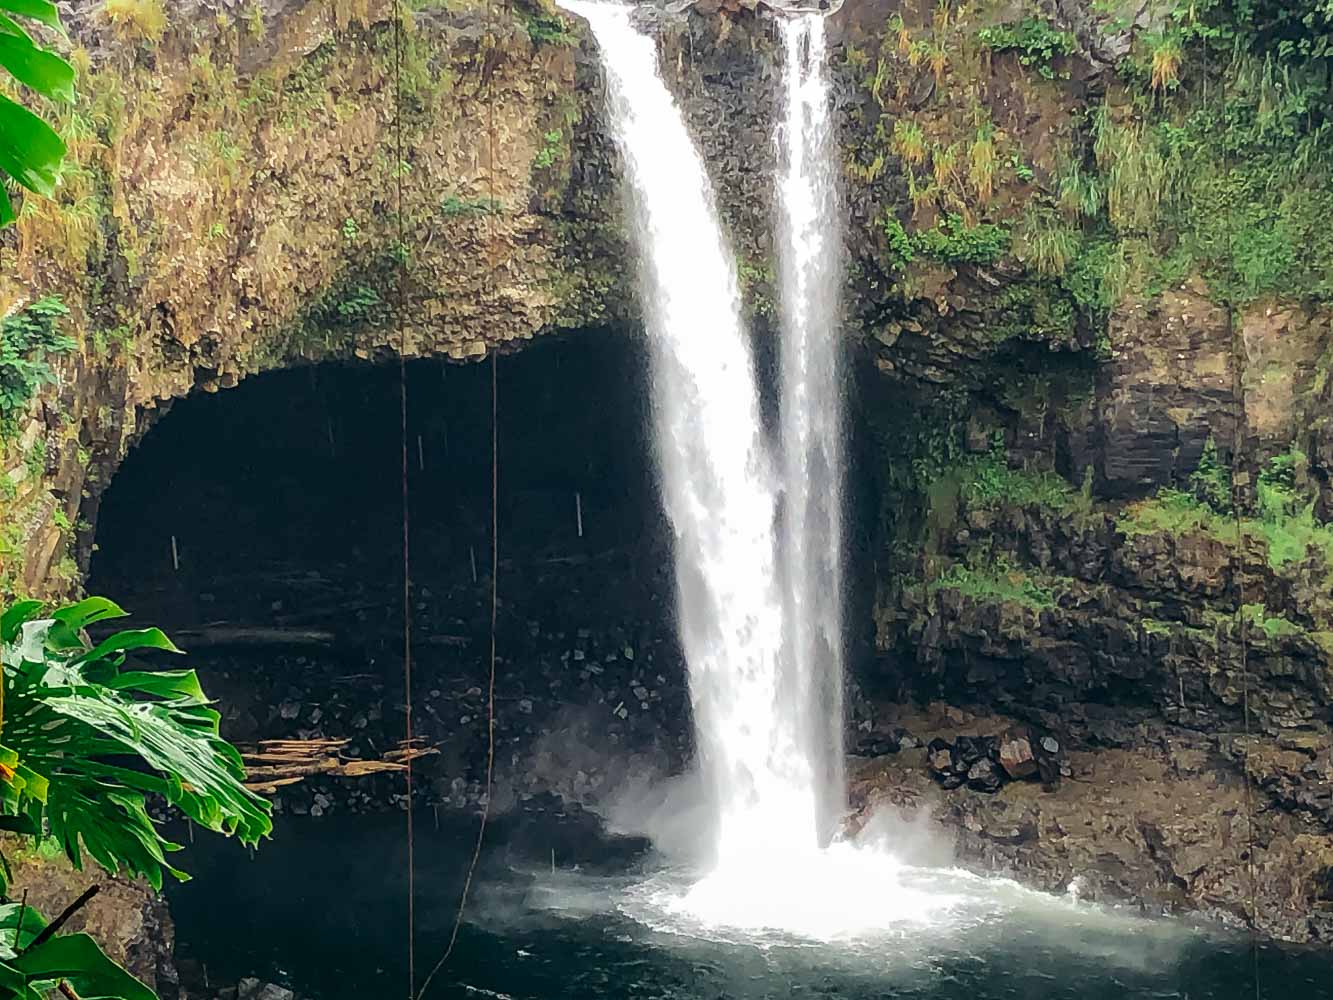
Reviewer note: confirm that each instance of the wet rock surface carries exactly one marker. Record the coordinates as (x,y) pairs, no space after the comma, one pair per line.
(1168,825)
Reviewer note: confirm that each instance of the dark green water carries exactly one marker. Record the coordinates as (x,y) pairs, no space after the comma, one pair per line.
(322,909)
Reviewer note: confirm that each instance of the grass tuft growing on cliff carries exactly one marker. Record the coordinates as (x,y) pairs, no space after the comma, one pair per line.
(988,481)
(1174,512)
(997,580)
(144,20)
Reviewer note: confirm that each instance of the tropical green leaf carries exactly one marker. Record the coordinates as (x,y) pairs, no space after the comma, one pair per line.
(11,27)
(39,10)
(35,67)
(30,150)
(144,638)
(13,617)
(87,612)
(164,684)
(77,959)
(86,742)
(19,924)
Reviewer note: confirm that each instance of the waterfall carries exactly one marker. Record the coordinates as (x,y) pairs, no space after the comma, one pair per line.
(810,252)
(717,478)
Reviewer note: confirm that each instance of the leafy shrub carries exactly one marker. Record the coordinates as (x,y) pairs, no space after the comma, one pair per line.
(955,242)
(1174,512)
(1036,41)
(952,241)
(1273,626)
(988,481)
(997,580)
(1211,481)
(552,150)
(26,338)
(902,248)
(454,207)
(545,29)
(358,304)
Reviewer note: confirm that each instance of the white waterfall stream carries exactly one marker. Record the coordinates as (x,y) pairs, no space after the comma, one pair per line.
(757,541)
(810,267)
(717,478)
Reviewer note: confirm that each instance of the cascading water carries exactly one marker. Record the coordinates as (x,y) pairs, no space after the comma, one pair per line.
(717,476)
(811,404)
(758,606)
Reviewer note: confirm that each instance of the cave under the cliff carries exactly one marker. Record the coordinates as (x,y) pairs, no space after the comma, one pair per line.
(262,527)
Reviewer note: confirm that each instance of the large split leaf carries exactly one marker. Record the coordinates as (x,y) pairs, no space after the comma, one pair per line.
(85,741)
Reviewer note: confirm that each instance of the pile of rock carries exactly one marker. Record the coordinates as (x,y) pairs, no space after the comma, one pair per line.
(255,989)
(986,763)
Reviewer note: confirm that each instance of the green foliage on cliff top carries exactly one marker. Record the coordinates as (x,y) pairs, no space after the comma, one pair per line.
(27,338)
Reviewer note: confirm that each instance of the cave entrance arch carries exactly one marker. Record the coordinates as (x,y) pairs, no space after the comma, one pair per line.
(261,526)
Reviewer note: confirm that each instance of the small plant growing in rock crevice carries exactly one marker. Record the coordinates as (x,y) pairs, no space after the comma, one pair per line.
(1036,41)
(26,340)
(552,150)
(909,142)
(141,19)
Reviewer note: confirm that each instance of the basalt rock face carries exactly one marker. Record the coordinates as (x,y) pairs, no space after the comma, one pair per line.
(1165,826)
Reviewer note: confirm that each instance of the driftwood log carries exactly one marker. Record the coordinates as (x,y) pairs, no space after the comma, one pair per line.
(271,764)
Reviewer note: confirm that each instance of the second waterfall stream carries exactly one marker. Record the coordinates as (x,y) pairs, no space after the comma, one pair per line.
(757,536)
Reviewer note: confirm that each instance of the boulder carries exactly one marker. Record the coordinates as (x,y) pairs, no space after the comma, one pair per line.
(985,776)
(253,989)
(1016,755)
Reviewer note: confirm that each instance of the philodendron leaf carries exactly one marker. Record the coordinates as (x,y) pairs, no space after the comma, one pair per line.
(40,10)
(144,638)
(16,616)
(30,150)
(35,67)
(77,959)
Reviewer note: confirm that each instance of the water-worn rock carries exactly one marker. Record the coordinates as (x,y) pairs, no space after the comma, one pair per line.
(253,989)
(1167,827)
(1015,753)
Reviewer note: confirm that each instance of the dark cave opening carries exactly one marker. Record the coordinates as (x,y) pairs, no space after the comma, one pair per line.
(262,528)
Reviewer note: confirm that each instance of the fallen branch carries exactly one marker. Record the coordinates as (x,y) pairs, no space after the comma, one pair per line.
(53,928)
(243,635)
